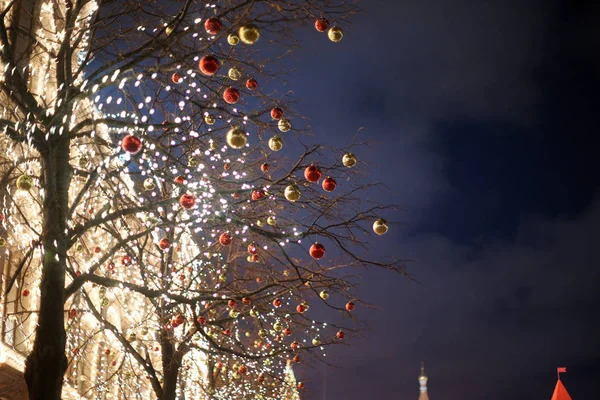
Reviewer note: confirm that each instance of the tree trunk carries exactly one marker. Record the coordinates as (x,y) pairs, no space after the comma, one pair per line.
(46,364)
(171,365)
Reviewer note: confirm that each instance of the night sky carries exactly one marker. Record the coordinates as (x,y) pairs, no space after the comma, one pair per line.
(485,114)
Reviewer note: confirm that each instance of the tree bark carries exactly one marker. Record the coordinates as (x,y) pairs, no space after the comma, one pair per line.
(46,364)
(171,364)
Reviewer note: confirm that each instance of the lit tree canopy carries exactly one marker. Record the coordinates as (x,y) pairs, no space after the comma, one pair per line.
(172,229)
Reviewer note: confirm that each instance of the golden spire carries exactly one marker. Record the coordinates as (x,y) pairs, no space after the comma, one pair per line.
(423,383)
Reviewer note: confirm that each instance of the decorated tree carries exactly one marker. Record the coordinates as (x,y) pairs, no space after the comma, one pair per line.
(167,232)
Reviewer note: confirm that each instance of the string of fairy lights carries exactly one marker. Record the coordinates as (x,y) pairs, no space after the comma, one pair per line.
(171,269)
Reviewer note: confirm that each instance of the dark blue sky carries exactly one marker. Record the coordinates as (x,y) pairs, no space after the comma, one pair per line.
(486,114)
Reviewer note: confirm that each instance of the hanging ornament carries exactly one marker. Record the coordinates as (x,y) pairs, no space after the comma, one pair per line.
(340,334)
(264,167)
(277,303)
(380,226)
(251,84)
(312,173)
(213,26)
(301,308)
(25,292)
(126,260)
(253,248)
(231,303)
(149,184)
(271,220)
(24,182)
(349,160)
(249,33)
(277,326)
(300,385)
(231,95)
(179,179)
(234,74)
(335,34)
(292,193)
(275,143)
(192,162)
(225,239)
(131,144)
(287,331)
(296,359)
(276,113)
(236,138)
(208,65)
(316,341)
(187,201)
(324,294)
(258,194)
(177,78)
(317,251)
(350,306)
(321,24)
(233,39)
(284,125)
(209,119)
(329,184)
(164,244)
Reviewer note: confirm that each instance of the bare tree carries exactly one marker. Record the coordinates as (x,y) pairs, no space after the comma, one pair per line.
(161,241)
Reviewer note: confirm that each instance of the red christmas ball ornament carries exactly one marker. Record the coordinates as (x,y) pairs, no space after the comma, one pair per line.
(300,385)
(329,184)
(350,306)
(177,78)
(296,359)
(321,24)
(243,370)
(110,266)
(340,335)
(257,194)
(201,320)
(261,377)
(251,84)
(232,303)
(225,239)
(246,300)
(277,303)
(287,331)
(187,201)
(179,180)
(227,332)
(264,167)
(231,95)
(25,292)
(131,144)
(276,113)
(180,319)
(126,260)
(213,26)
(295,346)
(317,251)
(301,308)
(97,249)
(72,313)
(209,65)
(253,248)
(164,244)
(312,173)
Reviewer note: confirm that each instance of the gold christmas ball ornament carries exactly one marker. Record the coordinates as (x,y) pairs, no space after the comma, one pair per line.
(284,125)
(144,330)
(263,333)
(249,33)
(277,326)
(105,302)
(83,161)
(131,337)
(380,226)
(2,242)
(234,74)
(292,193)
(192,162)
(24,182)
(335,34)
(233,39)
(271,220)
(316,341)
(149,184)
(324,294)
(253,313)
(275,143)
(259,223)
(234,314)
(236,138)
(209,119)
(214,145)
(349,160)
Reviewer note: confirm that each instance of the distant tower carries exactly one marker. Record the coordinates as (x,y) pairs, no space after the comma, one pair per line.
(423,382)
(289,389)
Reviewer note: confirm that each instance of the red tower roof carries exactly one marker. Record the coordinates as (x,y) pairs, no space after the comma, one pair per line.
(560,392)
